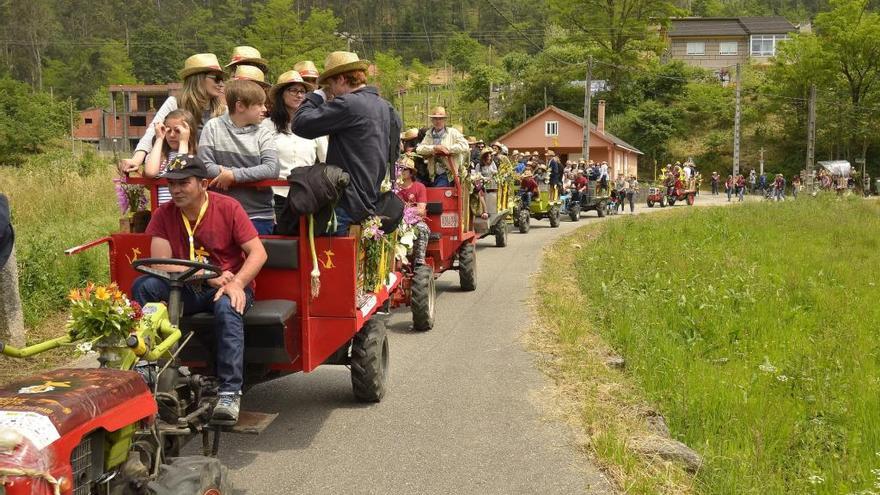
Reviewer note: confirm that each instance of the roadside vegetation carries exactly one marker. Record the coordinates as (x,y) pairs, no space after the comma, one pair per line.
(751,329)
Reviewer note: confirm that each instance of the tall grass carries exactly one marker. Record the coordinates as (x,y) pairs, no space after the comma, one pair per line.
(58,201)
(755,331)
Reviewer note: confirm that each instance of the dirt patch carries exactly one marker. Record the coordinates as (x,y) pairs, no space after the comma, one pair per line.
(12,369)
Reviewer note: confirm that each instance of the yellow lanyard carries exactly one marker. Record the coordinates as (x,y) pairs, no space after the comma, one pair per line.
(192,230)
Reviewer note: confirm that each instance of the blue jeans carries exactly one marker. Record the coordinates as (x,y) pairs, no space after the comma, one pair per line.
(441,180)
(229,324)
(343,221)
(525,199)
(264,227)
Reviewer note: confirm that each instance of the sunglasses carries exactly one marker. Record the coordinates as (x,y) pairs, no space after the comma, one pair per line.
(217,78)
(295,91)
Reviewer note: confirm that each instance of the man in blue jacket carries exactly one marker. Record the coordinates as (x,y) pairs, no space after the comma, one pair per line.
(364,132)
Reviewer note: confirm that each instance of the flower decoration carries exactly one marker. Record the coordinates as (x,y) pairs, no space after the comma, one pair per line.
(130,198)
(102,312)
(377,249)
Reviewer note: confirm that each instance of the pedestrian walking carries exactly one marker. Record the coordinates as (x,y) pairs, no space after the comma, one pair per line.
(631,191)
(715,180)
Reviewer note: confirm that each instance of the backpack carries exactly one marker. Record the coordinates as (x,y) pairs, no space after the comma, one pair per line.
(312,190)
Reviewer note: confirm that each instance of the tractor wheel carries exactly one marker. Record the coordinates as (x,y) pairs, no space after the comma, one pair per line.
(501,234)
(422,297)
(369,361)
(523,222)
(690,199)
(662,202)
(553,215)
(600,209)
(671,200)
(574,213)
(516,217)
(467,267)
(193,475)
(650,204)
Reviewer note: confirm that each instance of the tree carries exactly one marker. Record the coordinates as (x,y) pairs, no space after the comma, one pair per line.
(29,120)
(156,54)
(34,23)
(476,86)
(463,52)
(391,76)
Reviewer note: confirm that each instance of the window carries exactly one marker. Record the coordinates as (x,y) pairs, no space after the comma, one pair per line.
(551,128)
(137,121)
(764,45)
(728,48)
(88,121)
(696,48)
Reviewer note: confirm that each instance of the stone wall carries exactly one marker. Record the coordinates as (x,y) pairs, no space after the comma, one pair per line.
(712,58)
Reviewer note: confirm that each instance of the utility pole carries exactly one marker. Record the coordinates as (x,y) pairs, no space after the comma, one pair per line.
(545,96)
(761,161)
(736,122)
(588,84)
(811,132)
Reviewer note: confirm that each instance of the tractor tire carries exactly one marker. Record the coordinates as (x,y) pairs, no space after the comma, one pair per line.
(671,201)
(192,475)
(524,222)
(690,199)
(516,217)
(423,294)
(369,361)
(663,202)
(553,215)
(574,213)
(501,231)
(600,209)
(650,204)
(467,268)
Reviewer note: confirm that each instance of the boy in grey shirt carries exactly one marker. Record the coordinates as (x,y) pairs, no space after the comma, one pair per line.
(236,149)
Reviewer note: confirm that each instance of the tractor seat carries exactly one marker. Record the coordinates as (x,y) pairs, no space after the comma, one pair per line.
(264,326)
(70,398)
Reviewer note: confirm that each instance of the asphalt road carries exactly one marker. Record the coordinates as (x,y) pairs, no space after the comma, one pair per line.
(464,413)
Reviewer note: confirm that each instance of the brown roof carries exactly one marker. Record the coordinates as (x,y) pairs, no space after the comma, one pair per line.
(729,26)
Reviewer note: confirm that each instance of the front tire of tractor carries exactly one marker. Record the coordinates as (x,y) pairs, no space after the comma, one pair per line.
(671,201)
(524,220)
(369,361)
(600,209)
(422,297)
(574,213)
(663,202)
(554,217)
(192,475)
(467,267)
(501,234)
(650,204)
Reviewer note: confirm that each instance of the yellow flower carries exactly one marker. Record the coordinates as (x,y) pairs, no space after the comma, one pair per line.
(102,293)
(74,295)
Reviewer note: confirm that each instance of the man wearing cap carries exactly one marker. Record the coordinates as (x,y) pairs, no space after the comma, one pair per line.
(364,132)
(439,143)
(208,227)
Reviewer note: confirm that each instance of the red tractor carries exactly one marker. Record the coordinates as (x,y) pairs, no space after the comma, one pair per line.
(451,246)
(120,428)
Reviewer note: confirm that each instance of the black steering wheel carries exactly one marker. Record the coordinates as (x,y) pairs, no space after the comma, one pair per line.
(145,266)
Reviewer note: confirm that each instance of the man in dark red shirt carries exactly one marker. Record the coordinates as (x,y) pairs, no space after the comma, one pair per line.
(210,228)
(528,188)
(415,196)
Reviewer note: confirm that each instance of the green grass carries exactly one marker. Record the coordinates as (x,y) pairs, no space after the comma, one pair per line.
(58,202)
(754,331)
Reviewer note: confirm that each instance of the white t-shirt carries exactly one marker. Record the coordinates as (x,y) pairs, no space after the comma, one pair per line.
(294,151)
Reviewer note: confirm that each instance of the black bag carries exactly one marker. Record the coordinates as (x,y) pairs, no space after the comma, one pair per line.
(312,190)
(389,207)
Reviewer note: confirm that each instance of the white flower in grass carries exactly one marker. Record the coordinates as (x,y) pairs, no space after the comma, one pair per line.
(766,366)
(84,347)
(816,479)
(782,378)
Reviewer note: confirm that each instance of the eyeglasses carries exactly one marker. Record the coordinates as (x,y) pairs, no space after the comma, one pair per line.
(295,91)
(217,78)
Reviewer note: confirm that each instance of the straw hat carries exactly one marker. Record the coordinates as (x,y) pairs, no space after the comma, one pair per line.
(409,134)
(471,140)
(200,62)
(288,78)
(486,151)
(438,113)
(407,163)
(526,153)
(250,73)
(340,63)
(527,173)
(247,55)
(307,69)
(515,152)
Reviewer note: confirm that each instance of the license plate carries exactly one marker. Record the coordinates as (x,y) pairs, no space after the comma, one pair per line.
(449,220)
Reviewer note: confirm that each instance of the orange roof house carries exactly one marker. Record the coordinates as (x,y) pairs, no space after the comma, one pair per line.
(563,132)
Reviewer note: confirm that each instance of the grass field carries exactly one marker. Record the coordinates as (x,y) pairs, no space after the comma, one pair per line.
(58,202)
(753,329)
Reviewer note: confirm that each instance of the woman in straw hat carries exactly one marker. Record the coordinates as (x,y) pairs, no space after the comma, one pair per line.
(363,128)
(202,95)
(286,96)
(247,55)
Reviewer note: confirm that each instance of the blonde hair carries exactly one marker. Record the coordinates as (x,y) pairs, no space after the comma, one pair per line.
(195,100)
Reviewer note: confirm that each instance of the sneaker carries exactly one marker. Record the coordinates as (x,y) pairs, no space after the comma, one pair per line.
(227,408)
